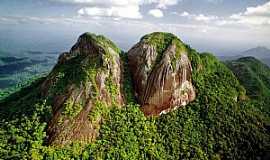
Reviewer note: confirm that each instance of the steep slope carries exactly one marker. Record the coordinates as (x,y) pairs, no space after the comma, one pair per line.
(75,113)
(84,83)
(255,77)
(219,124)
(253,74)
(162,72)
(81,88)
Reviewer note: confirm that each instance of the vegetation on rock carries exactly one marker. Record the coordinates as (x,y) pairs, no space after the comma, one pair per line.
(161,71)
(218,124)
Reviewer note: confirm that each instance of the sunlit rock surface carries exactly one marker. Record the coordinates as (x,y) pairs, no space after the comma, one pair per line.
(161,73)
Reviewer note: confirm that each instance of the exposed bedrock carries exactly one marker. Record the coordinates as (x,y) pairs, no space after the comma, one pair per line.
(161,72)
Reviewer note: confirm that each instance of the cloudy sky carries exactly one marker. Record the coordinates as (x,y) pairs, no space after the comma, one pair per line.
(219,26)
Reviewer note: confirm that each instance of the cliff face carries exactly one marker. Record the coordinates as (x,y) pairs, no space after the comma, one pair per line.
(83,86)
(161,73)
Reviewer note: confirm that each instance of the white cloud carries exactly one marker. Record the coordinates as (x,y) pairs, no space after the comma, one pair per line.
(198,34)
(163,4)
(259,15)
(202,17)
(261,10)
(184,14)
(156,13)
(131,12)
(108,8)
(160,3)
(199,17)
(118,8)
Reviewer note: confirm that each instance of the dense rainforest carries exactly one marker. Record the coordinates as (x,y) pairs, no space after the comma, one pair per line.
(228,119)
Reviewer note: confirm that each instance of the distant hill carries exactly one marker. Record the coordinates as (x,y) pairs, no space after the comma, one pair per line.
(261,53)
(258,52)
(255,77)
(253,74)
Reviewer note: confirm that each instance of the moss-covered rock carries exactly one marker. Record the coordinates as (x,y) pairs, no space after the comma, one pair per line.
(88,74)
(161,72)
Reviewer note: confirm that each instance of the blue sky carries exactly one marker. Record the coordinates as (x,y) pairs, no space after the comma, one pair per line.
(219,26)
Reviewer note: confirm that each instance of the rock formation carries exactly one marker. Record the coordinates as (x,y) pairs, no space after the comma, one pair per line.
(87,81)
(83,85)
(161,73)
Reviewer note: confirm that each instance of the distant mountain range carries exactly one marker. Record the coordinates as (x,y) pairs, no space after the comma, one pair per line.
(261,53)
(18,67)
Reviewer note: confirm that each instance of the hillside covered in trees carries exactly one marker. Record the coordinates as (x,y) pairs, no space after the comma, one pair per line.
(101,103)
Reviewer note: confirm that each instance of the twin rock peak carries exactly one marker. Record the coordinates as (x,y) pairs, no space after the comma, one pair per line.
(90,79)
